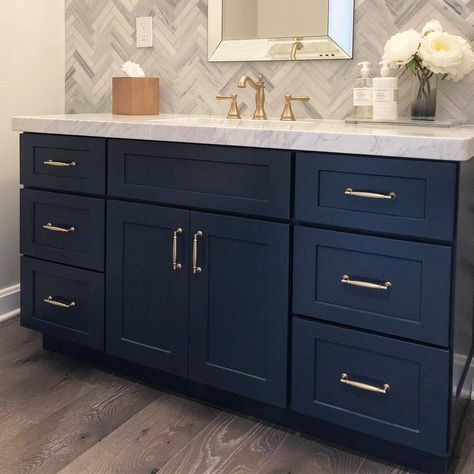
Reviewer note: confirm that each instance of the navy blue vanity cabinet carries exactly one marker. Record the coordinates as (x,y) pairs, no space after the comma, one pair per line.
(332,294)
(238,306)
(147,294)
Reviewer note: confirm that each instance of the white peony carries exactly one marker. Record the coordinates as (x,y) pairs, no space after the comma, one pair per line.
(443,53)
(467,64)
(431,27)
(402,48)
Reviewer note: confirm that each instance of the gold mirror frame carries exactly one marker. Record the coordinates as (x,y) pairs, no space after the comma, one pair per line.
(337,44)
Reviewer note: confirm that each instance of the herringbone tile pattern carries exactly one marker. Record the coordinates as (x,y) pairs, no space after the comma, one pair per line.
(101,36)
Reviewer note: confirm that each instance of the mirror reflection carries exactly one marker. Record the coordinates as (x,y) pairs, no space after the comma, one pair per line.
(257,19)
(259,30)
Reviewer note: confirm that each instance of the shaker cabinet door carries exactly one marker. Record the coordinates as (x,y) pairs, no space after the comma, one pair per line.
(147,285)
(238,306)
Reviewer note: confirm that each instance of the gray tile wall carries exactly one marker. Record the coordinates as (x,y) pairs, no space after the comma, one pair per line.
(100,36)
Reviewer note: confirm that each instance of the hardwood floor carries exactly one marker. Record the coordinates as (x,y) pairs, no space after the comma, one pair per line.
(59,415)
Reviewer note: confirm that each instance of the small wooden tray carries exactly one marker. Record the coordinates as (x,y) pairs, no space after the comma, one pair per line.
(135,95)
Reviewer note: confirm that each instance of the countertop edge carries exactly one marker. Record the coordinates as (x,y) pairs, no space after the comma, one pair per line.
(457,149)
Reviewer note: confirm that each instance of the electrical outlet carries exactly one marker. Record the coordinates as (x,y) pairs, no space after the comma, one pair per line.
(145,32)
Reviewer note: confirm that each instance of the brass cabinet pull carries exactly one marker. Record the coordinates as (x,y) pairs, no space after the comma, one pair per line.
(52,228)
(365,284)
(176,266)
(363,386)
(369,195)
(60,164)
(196,269)
(53,302)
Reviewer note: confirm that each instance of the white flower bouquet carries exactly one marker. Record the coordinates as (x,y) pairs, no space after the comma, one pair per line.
(429,55)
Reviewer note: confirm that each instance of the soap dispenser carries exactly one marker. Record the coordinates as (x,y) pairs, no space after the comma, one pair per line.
(363,92)
(385,95)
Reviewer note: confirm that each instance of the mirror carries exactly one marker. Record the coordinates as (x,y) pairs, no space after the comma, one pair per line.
(280,30)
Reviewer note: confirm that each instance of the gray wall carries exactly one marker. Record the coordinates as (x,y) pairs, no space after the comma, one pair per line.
(100,37)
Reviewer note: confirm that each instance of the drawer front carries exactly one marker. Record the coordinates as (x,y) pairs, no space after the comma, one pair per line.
(63,228)
(404,197)
(63,302)
(63,163)
(248,181)
(384,285)
(391,389)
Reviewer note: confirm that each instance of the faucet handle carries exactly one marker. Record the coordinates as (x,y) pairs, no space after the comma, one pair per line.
(234,108)
(288,115)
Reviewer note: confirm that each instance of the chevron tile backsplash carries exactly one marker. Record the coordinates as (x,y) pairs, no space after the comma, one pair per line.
(100,37)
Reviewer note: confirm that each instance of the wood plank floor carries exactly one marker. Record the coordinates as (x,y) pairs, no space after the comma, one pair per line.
(59,415)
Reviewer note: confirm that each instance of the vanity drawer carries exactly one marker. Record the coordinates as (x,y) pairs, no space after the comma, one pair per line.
(244,180)
(63,302)
(63,228)
(395,390)
(406,197)
(64,163)
(384,285)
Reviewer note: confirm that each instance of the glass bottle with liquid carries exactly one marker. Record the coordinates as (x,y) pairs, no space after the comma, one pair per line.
(363,93)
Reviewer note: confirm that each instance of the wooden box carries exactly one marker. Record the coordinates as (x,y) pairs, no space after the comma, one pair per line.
(135,95)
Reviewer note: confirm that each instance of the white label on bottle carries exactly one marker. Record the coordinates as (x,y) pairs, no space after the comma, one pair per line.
(386,96)
(363,97)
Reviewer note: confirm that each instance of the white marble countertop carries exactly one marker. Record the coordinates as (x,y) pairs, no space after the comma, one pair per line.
(452,144)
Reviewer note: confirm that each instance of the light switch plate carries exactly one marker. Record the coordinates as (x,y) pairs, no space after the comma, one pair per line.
(145,32)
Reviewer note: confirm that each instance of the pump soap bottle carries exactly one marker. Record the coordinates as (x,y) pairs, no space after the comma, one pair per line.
(385,95)
(363,93)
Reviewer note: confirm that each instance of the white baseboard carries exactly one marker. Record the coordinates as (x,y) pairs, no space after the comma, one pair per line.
(9,302)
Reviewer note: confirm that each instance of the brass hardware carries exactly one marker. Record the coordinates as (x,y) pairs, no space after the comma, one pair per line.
(234,107)
(259,86)
(288,115)
(364,284)
(53,228)
(60,164)
(196,269)
(297,46)
(176,266)
(365,194)
(58,304)
(363,386)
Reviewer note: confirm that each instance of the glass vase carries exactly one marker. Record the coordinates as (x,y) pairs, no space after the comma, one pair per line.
(424,95)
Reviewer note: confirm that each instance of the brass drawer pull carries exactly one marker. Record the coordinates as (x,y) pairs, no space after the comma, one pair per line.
(52,228)
(60,164)
(365,284)
(58,304)
(176,266)
(196,269)
(369,195)
(363,386)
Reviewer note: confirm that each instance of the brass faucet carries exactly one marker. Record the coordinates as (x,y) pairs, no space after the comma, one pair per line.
(259,86)
(297,45)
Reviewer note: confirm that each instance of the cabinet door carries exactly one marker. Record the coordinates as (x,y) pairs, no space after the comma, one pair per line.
(239,306)
(147,299)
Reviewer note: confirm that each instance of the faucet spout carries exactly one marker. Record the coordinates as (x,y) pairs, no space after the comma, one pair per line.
(244,80)
(259,86)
